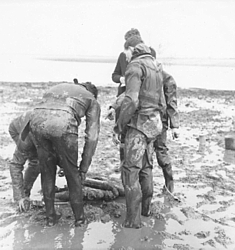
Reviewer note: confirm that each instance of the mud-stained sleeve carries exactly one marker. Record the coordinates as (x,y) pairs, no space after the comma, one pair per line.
(118,102)
(13,132)
(170,92)
(91,135)
(131,100)
(16,170)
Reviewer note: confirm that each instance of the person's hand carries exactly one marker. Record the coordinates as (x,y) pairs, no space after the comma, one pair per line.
(175,133)
(122,80)
(24,204)
(83,177)
(111,114)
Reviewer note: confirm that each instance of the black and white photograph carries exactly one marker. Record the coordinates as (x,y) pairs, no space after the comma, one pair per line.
(117,124)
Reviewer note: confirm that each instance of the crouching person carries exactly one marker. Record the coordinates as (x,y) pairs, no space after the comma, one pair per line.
(54,125)
(25,150)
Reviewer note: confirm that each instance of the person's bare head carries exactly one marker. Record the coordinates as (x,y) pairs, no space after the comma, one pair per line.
(132,32)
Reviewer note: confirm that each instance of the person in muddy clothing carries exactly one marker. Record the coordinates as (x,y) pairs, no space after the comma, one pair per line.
(118,76)
(140,115)
(54,125)
(25,150)
(169,118)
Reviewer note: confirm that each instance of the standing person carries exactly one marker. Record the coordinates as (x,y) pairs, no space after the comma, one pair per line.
(169,119)
(118,76)
(54,126)
(25,150)
(140,115)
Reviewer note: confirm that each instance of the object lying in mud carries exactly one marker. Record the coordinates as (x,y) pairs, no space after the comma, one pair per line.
(94,190)
(173,196)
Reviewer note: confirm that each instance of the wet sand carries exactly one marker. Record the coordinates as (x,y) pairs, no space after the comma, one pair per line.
(202,218)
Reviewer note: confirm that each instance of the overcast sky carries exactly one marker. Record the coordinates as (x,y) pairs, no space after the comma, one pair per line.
(178,28)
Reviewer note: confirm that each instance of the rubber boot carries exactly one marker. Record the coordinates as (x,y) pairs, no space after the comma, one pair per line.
(78,212)
(133,207)
(52,220)
(146,202)
(30,176)
(168,175)
(51,216)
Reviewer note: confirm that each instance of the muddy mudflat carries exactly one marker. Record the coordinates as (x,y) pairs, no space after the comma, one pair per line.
(200,215)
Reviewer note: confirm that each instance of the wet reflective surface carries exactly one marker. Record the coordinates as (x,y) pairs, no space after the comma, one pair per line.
(204,219)
(204,183)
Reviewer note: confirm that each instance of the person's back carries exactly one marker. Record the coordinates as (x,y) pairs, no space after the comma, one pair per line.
(54,125)
(144,89)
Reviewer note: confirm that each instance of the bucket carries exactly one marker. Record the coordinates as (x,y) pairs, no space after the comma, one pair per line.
(230,142)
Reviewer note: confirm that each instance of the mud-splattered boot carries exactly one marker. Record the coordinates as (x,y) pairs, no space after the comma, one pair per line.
(146,202)
(52,220)
(78,212)
(133,207)
(168,175)
(51,216)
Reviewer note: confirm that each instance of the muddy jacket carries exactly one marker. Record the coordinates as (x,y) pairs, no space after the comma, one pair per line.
(171,116)
(17,125)
(144,100)
(79,102)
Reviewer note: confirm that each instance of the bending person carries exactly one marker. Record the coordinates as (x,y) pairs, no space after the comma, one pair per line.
(54,125)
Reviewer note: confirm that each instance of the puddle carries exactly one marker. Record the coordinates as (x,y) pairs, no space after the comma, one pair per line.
(204,182)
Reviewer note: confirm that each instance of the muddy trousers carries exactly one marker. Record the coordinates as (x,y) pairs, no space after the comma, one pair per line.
(121,149)
(163,159)
(22,185)
(137,177)
(62,151)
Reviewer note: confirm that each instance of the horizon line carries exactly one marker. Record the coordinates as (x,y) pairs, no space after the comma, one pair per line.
(190,61)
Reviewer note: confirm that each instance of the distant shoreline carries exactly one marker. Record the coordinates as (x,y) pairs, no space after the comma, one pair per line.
(214,62)
(42,84)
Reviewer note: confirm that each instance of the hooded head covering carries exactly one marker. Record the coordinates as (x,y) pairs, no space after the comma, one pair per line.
(90,87)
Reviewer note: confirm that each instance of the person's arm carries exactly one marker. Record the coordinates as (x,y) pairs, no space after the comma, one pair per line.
(170,92)
(13,131)
(131,100)
(16,171)
(118,71)
(114,108)
(92,133)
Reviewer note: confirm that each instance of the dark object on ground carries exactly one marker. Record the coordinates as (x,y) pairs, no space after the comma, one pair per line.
(94,190)
(230,142)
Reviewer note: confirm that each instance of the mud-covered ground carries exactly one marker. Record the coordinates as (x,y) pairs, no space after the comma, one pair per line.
(203,217)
